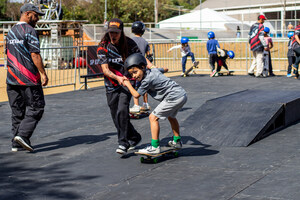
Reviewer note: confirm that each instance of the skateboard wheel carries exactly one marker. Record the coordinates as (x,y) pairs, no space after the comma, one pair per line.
(176,154)
(142,159)
(155,160)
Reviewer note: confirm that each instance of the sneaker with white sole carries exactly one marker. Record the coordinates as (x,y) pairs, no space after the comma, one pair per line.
(24,142)
(213,73)
(121,150)
(146,107)
(133,144)
(150,150)
(176,145)
(135,109)
(16,147)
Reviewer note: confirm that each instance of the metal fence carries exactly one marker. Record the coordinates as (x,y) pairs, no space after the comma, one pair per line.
(64,65)
(241,62)
(60,65)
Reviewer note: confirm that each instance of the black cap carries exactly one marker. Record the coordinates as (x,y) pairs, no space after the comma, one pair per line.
(115,25)
(30,7)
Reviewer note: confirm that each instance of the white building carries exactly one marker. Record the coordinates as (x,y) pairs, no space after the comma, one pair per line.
(248,10)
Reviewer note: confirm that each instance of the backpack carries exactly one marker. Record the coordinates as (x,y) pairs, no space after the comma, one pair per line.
(254,40)
(293,39)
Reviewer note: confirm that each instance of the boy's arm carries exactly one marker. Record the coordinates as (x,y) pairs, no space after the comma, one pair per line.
(110,74)
(131,89)
(174,47)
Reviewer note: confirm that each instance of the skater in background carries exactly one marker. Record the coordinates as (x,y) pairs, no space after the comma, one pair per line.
(290,54)
(211,46)
(138,29)
(222,57)
(185,50)
(268,70)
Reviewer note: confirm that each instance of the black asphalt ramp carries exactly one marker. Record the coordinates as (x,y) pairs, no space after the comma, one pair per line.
(241,118)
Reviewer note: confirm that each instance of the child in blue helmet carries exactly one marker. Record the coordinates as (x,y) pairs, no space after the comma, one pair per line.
(185,50)
(211,46)
(267,54)
(222,57)
(290,54)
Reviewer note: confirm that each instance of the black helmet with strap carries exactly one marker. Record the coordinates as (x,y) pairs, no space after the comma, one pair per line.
(135,59)
(138,27)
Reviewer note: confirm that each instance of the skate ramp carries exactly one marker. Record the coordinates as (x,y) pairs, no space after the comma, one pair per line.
(242,118)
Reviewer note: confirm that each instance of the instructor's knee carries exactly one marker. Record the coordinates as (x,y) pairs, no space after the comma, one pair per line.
(153,118)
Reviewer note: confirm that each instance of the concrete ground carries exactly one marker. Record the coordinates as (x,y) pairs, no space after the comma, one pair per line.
(75,155)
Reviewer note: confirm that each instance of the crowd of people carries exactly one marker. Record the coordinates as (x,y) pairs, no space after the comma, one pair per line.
(128,69)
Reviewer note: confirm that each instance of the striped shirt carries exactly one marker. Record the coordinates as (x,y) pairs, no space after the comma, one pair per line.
(21,41)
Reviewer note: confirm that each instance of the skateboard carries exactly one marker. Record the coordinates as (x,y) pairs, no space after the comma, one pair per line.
(139,115)
(195,65)
(145,157)
(223,73)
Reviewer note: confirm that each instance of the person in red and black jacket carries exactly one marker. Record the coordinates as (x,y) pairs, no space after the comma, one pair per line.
(296,48)
(257,46)
(113,50)
(25,77)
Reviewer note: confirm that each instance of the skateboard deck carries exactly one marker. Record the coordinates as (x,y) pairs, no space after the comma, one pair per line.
(195,65)
(223,73)
(139,115)
(154,157)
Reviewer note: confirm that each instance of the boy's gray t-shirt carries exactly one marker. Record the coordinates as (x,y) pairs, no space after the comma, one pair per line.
(142,44)
(159,86)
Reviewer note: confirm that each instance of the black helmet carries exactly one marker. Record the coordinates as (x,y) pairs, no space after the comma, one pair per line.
(135,59)
(138,27)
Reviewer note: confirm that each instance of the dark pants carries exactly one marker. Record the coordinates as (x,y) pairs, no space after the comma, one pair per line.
(27,105)
(184,59)
(118,102)
(297,64)
(213,58)
(270,64)
(221,62)
(291,60)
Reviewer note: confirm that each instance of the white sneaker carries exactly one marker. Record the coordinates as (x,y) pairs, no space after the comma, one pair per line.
(150,150)
(135,109)
(121,150)
(214,72)
(146,107)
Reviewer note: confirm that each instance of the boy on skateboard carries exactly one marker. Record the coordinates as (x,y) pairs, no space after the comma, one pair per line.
(172,97)
(222,57)
(185,50)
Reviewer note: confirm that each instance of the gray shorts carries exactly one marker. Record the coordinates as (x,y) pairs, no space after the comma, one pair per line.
(169,108)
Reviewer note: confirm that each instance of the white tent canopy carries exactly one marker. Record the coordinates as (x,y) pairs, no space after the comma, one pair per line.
(210,20)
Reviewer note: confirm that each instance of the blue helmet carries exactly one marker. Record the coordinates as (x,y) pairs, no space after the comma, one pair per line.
(184,40)
(230,54)
(267,30)
(290,34)
(210,34)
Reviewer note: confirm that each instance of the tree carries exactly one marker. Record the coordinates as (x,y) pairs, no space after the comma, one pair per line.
(127,10)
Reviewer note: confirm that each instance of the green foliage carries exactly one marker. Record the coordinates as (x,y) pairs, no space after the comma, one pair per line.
(127,10)
(3,5)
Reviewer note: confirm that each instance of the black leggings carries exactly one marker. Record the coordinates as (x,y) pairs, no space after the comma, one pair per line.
(118,102)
